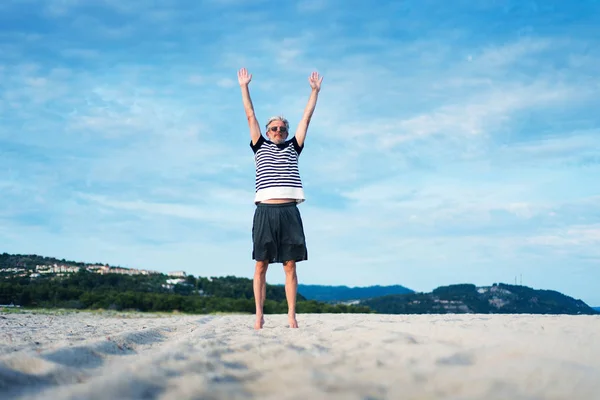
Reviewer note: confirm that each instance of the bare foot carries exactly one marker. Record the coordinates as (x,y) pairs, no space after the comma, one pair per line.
(292,321)
(259,323)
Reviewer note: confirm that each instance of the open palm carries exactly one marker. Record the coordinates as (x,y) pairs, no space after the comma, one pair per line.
(244,77)
(315,81)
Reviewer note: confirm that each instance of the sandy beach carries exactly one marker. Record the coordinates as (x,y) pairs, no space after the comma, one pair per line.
(107,355)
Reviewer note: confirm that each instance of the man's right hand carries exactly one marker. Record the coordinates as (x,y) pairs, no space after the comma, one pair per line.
(244,77)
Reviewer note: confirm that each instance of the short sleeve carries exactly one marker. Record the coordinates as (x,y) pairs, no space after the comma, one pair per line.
(297,146)
(259,143)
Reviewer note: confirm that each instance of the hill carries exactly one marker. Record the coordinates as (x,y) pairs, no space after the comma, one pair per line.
(36,281)
(597,309)
(468,298)
(333,294)
(29,261)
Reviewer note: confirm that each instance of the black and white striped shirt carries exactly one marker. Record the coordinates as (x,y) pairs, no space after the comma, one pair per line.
(277,174)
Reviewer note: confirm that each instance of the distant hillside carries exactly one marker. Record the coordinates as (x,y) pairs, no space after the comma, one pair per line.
(36,281)
(29,261)
(63,283)
(467,298)
(597,309)
(345,293)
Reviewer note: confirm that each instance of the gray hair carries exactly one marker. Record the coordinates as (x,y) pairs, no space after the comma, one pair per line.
(278,118)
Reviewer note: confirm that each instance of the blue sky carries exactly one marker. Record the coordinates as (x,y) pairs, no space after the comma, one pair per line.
(450,144)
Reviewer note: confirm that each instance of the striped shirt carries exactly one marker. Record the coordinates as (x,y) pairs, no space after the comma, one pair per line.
(277,174)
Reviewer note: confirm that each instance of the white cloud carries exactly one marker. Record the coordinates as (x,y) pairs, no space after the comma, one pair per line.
(573,238)
(196,79)
(220,215)
(559,145)
(311,6)
(59,8)
(81,53)
(513,53)
(226,83)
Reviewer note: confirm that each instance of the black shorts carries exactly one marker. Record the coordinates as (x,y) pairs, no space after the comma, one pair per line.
(278,234)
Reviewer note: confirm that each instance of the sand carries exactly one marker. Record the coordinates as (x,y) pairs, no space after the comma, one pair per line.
(335,356)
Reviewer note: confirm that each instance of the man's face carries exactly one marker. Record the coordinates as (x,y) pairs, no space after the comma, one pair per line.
(277,132)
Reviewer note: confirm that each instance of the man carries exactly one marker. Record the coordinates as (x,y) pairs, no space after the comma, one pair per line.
(277,231)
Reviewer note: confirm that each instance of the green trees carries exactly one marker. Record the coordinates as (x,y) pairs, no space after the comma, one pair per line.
(467,298)
(87,290)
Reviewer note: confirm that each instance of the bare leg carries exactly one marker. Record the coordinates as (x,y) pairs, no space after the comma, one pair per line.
(264,289)
(260,291)
(291,288)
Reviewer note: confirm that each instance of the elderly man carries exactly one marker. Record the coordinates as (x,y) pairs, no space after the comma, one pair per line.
(277,230)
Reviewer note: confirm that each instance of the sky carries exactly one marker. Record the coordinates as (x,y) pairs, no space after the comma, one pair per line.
(450,143)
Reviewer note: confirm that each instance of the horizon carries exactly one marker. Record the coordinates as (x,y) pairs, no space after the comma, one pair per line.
(310,284)
(450,144)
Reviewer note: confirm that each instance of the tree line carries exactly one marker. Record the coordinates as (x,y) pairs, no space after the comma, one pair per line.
(87,290)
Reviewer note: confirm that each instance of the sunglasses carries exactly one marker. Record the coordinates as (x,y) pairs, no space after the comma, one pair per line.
(282,129)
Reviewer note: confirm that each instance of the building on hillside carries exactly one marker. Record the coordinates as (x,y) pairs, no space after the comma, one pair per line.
(56,269)
(105,269)
(178,273)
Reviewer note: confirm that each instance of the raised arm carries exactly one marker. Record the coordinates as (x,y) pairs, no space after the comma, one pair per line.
(315,84)
(244,79)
